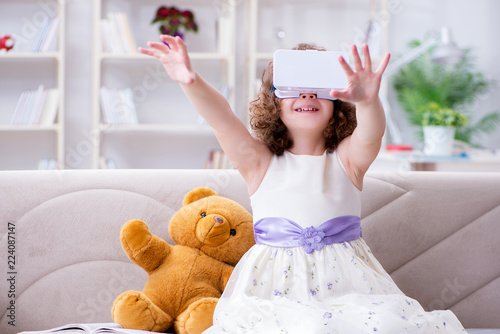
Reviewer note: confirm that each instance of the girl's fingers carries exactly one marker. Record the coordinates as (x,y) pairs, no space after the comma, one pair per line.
(144,51)
(160,46)
(150,52)
(357,60)
(172,41)
(345,66)
(343,95)
(367,58)
(180,46)
(383,65)
(336,93)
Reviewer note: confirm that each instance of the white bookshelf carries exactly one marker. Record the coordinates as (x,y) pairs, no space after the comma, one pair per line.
(331,24)
(23,146)
(164,114)
(28,128)
(30,55)
(189,129)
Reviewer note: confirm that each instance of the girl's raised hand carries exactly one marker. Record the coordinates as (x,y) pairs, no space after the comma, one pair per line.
(363,83)
(174,57)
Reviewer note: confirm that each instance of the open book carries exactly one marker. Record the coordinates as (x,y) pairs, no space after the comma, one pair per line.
(96,328)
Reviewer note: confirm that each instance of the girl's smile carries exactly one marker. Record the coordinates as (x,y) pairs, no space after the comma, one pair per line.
(307,108)
(306,112)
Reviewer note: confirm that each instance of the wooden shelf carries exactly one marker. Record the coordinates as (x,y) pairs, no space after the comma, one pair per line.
(184,129)
(30,55)
(140,56)
(23,127)
(264,55)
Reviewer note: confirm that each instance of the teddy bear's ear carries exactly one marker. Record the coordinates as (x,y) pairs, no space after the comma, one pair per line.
(198,193)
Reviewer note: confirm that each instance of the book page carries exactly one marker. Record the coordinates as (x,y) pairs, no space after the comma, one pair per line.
(77,328)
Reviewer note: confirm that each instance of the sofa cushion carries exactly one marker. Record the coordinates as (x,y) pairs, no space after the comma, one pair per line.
(437,234)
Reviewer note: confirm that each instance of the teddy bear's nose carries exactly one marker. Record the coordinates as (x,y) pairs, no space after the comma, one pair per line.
(218,220)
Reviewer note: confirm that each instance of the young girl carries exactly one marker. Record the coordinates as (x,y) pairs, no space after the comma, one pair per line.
(310,271)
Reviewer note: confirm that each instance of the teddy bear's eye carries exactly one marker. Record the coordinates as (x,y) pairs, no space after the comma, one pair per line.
(203,215)
(232,231)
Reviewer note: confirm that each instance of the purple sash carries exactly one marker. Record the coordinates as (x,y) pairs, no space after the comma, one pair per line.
(282,232)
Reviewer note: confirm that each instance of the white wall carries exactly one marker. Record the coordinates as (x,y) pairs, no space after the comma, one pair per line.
(474,24)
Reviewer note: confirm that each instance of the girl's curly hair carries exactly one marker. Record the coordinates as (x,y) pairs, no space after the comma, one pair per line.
(267,125)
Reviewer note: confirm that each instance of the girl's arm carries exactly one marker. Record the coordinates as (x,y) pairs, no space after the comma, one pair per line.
(245,152)
(359,150)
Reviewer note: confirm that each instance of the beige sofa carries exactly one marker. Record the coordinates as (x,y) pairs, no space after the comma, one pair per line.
(437,234)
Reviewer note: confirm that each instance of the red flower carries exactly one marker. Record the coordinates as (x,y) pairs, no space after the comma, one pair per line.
(192,25)
(174,11)
(187,13)
(163,12)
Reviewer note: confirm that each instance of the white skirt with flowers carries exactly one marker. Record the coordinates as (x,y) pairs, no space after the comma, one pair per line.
(341,288)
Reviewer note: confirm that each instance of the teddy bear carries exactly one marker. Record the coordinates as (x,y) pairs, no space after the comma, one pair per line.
(185,280)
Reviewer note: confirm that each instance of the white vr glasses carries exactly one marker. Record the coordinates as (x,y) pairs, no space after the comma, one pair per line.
(307,71)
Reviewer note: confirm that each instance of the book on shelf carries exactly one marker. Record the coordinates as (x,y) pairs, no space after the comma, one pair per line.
(218,160)
(116,35)
(106,163)
(118,106)
(223,28)
(45,36)
(47,164)
(90,328)
(36,107)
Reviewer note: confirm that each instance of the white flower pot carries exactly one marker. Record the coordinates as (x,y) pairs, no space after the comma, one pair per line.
(438,140)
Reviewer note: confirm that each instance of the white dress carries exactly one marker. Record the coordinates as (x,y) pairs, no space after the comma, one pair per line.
(340,288)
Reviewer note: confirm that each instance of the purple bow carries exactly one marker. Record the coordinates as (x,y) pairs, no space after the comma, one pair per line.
(282,232)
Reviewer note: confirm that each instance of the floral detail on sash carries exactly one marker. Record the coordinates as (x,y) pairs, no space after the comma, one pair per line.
(283,232)
(311,239)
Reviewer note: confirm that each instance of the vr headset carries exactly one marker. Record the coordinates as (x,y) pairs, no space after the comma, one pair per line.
(307,71)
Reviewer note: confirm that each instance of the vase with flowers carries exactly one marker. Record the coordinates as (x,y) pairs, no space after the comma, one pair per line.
(175,22)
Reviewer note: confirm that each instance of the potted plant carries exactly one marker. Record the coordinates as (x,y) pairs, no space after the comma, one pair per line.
(439,124)
(442,95)
(175,22)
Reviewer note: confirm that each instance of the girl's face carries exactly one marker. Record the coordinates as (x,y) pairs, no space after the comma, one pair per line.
(306,112)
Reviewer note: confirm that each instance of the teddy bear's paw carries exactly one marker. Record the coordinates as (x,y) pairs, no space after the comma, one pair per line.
(135,235)
(134,310)
(197,317)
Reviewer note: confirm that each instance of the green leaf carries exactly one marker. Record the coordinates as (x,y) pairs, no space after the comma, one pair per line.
(487,124)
